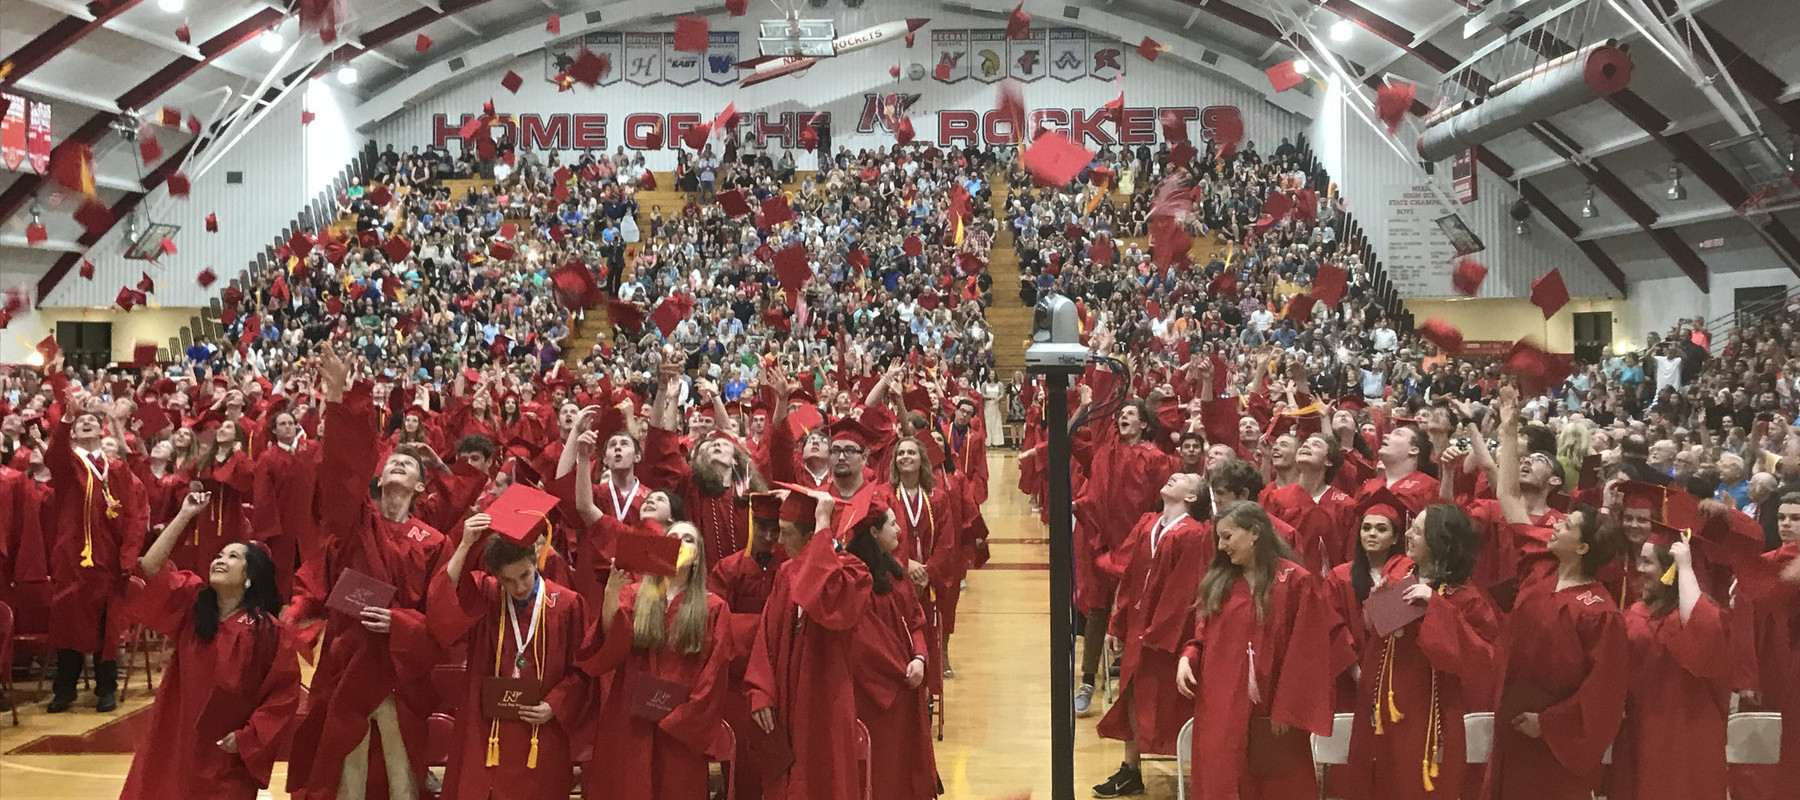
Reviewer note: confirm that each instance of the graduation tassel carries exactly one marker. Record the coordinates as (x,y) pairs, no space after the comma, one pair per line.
(87,525)
(531,757)
(1433,741)
(493,753)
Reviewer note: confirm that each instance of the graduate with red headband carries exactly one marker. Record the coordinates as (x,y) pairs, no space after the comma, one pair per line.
(232,685)
(1419,680)
(1380,557)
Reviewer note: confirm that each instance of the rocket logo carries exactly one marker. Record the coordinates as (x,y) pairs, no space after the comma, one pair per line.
(1106,59)
(1028,61)
(990,63)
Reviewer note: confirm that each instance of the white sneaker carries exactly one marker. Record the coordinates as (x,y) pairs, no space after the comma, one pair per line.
(1084,700)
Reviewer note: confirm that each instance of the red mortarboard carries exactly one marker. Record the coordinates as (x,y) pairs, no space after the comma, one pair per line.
(776,210)
(212,223)
(1174,128)
(206,278)
(726,118)
(48,348)
(152,419)
(193,125)
(1639,494)
(1101,250)
(72,165)
(143,354)
(300,245)
(129,299)
(501,345)
(1549,294)
(179,185)
(733,203)
(148,147)
(87,269)
(589,67)
(912,246)
(1535,367)
(667,315)
(903,131)
(695,135)
(765,506)
(1011,106)
(1737,533)
(422,43)
(798,506)
(857,258)
(1468,277)
(809,138)
(1383,502)
(554,25)
(1183,152)
(501,251)
(397,248)
(145,284)
(851,429)
(379,195)
(165,116)
(509,231)
(512,81)
(1224,283)
(518,512)
(1443,334)
(1018,24)
(368,238)
(1330,284)
(334,305)
(690,34)
(1299,308)
(576,286)
(94,217)
(1392,101)
(625,315)
(306,117)
(1149,48)
(168,246)
(894,71)
(1283,76)
(792,270)
(1055,159)
(646,552)
(184,35)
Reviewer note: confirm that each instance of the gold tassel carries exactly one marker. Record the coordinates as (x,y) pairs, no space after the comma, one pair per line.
(1394,714)
(531,757)
(1668,576)
(1433,740)
(87,525)
(493,753)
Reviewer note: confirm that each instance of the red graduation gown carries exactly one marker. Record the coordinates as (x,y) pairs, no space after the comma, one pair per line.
(634,758)
(744,584)
(1672,743)
(1122,484)
(902,765)
(1342,595)
(284,516)
(261,667)
(1770,618)
(358,669)
(1566,653)
(223,521)
(1152,616)
(1324,530)
(1417,490)
(1295,655)
(801,668)
(85,599)
(473,609)
(1437,669)
(723,520)
(934,539)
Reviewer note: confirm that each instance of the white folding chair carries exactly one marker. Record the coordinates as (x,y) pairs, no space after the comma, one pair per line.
(1334,749)
(1478,736)
(1184,753)
(1753,737)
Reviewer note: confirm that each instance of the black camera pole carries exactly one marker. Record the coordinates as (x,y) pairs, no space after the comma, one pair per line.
(1062,587)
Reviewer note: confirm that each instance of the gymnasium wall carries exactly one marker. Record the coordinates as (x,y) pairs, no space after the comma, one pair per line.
(1066,92)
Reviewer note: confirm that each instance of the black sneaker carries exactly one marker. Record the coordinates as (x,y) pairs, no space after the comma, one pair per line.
(1127,781)
(107,703)
(58,705)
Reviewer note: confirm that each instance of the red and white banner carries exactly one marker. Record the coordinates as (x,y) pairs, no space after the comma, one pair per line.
(37,137)
(13,132)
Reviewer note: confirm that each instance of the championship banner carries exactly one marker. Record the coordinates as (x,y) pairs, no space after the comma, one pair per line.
(987,49)
(680,67)
(1106,59)
(643,63)
(1026,58)
(721,56)
(37,137)
(1068,54)
(949,55)
(13,132)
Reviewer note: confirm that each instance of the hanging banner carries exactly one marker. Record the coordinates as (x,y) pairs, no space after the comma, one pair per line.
(1106,59)
(37,137)
(1068,54)
(987,48)
(1026,58)
(13,134)
(643,64)
(721,55)
(680,67)
(950,55)
(1463,175)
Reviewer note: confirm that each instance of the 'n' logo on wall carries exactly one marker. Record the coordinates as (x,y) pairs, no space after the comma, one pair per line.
(949,55)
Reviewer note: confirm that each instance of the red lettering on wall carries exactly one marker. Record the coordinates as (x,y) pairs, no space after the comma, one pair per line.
(590,131)
(544,133)
(780,128)
(1085,126)
(958,126)
(637,130)
(678,125)
(1140,126)
(995,129)
(1049,118)
(1186,115)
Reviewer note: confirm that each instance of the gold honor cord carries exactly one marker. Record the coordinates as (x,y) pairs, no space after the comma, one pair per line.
(538,623)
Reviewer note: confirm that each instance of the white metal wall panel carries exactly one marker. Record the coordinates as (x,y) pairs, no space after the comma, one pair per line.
(840,86)
(1368,172)
(285,166)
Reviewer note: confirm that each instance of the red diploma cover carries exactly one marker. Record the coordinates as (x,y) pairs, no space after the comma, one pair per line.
(1387,611)
(355,591)
(501,698)
(646,554)
(770,750)
(652,698)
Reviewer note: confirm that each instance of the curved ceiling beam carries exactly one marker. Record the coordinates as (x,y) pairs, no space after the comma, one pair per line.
(389,32)
(61,36)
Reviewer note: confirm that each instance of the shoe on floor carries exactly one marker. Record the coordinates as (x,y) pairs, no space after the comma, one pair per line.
(58,705)
(108,703)
(1084,701)
(1125,782)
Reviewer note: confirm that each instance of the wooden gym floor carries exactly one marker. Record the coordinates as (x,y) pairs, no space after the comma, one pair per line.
(996,741)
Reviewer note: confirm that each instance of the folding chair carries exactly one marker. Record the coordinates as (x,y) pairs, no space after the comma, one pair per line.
(6,661)
(863,757)
(1753,737)
(1184,755)
(1334,749)
(1478,739)
(727,744)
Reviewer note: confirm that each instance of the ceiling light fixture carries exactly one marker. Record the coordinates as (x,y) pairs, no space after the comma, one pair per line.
(1302,66)
(1676,190)
(346,74)
(171,6)
(271,41)
(1521,217)
(1341,30)
(1588,209)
